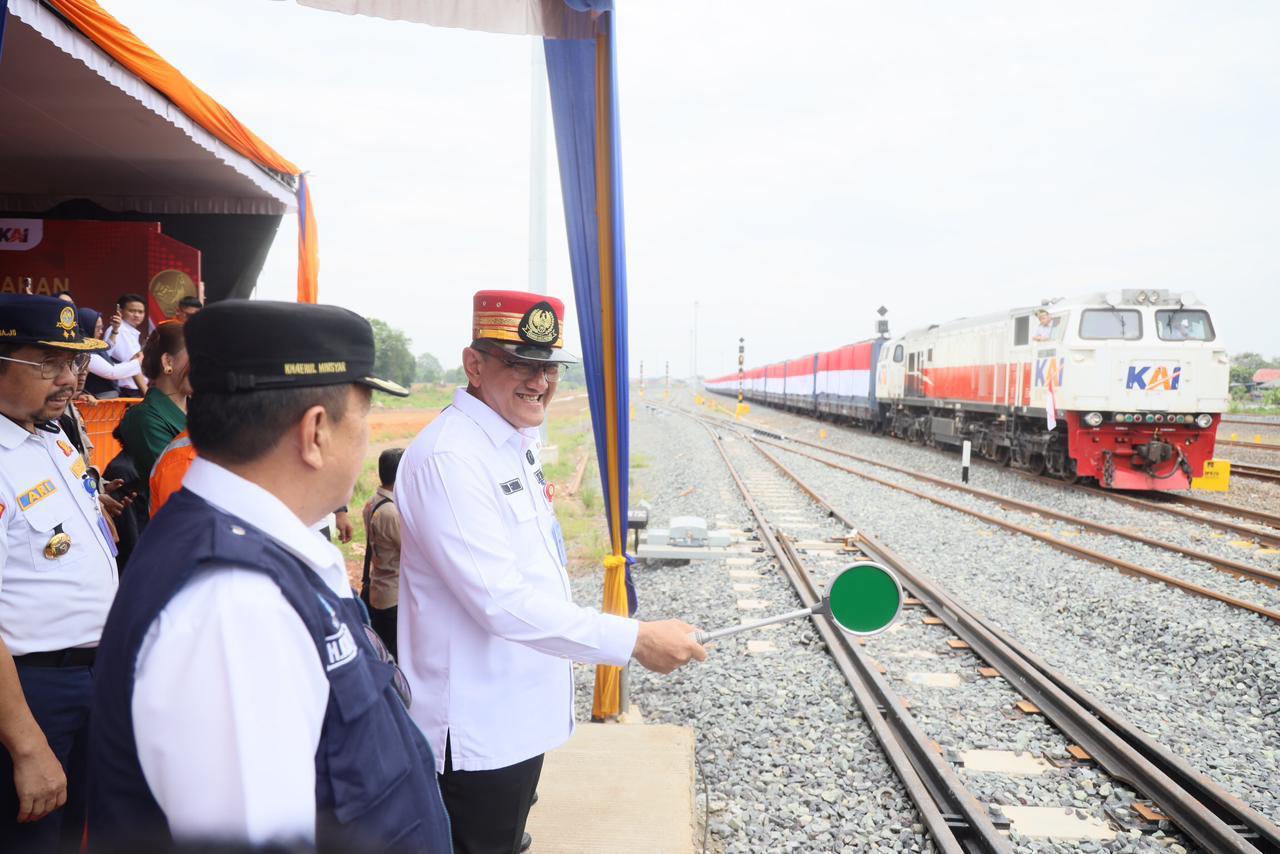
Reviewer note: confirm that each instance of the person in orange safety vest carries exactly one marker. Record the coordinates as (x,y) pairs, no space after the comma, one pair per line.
(170,468)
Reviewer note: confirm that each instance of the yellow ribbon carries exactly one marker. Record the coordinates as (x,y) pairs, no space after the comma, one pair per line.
(614,562)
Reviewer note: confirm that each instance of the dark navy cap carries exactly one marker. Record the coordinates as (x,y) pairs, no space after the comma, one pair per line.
(43,321)
(249,345)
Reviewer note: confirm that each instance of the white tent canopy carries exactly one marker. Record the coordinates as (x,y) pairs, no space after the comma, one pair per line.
(77,125)
(549,18)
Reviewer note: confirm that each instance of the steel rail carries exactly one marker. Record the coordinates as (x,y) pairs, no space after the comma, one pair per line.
(1204,811)
(1255,472)
(1222,564)
(1257,446)
(1269,519)
(956,822)
(1269,538)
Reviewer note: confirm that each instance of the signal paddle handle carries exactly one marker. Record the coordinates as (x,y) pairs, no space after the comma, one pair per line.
(705,637)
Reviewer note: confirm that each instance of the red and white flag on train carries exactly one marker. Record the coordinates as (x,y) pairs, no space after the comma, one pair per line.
(1051,398)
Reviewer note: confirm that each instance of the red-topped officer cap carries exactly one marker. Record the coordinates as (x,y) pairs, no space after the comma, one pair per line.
(530,326)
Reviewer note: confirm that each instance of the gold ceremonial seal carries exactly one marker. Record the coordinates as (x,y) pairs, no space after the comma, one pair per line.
(170,286)
(67,322)
(58,545)
(540,326)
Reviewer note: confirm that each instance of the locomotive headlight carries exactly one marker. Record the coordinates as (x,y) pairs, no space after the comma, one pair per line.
(1142,296)
(1204,421)
(1093,419)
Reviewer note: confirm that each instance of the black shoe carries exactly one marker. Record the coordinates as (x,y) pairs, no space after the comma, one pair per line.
(526,842)
(535,799)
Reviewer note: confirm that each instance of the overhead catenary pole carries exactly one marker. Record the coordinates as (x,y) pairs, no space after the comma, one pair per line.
(666,380)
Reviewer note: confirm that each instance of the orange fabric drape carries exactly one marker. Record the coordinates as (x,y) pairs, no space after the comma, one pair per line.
(126,48)
(607,699)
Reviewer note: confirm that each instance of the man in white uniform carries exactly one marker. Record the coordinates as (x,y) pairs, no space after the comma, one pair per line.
(57,578)
(487,625)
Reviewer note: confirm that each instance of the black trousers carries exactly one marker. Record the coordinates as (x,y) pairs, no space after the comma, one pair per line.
(488,809)
(59,700)
(383,621)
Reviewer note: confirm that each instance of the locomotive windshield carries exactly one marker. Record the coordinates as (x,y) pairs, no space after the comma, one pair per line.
(1184,325)
(1103,323)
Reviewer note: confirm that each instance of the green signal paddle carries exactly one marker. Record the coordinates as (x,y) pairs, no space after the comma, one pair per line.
(862,600)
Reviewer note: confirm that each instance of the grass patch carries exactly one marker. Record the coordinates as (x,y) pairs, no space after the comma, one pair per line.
(421,396)
(581,516)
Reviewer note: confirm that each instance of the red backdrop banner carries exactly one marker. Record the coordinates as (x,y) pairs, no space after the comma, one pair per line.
(98,261)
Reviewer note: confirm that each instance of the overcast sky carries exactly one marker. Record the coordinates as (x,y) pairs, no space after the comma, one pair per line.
(789,172)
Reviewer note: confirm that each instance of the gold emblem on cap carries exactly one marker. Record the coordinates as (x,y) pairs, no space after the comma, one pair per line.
(540,327)
(67,322)
(59,544)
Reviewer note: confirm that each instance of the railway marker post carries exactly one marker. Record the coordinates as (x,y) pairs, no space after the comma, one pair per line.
(742,408)
(965,450)
(863,599)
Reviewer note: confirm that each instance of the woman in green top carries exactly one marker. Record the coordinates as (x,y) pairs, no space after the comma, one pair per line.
(148,427)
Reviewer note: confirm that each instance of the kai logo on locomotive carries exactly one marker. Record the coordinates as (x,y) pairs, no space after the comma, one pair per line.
(1154,377)
(1051,368)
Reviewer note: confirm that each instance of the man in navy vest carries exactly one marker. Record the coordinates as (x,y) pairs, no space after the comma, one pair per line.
(238,694)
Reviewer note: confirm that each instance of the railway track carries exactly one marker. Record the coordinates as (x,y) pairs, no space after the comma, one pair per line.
(1268,534)
(1243,419)
(1225,565)
(1256,446)
(1205,813)
(1266,473)
(1158,500)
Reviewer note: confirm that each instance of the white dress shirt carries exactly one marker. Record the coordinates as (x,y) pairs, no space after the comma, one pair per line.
(100,367)
(48,604)
(230,693)
(125,345)
(487,624)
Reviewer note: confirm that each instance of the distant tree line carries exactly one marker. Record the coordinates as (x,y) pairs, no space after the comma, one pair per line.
(395,360)
(1245,365)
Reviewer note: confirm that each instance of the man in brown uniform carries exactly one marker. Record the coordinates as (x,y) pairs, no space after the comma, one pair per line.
(381,585)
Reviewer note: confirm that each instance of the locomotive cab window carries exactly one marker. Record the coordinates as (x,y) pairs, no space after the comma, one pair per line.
(1021,331)
(1184,325)
(897,353)
(1105,323)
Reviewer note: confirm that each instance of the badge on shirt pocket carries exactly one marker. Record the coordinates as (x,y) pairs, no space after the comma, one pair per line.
(52,545)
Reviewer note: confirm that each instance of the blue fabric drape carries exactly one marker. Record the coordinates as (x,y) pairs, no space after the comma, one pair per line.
(4,16)
(571,74)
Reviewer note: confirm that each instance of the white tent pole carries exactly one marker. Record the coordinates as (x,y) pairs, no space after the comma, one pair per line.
(537,168)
